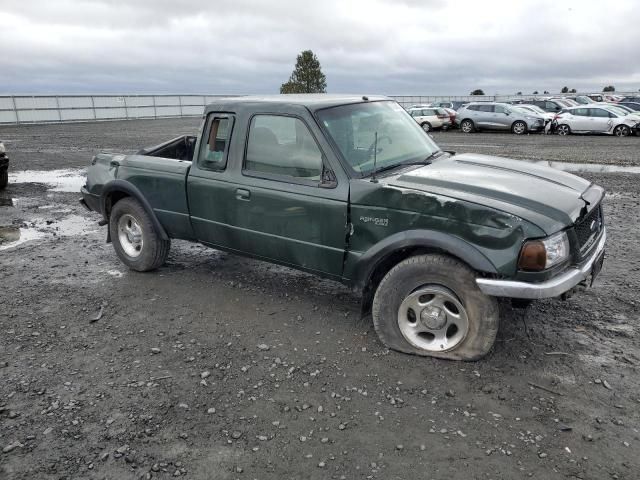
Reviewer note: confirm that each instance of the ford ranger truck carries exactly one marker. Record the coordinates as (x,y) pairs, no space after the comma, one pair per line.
(352,189)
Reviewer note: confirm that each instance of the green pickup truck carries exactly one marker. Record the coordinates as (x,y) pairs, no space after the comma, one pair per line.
(352,189)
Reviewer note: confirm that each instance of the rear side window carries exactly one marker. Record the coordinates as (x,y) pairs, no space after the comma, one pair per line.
(215,143)
(598,112)
(282,146)
(581,112)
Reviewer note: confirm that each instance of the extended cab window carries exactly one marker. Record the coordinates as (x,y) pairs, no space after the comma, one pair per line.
(215,143)
(282,146)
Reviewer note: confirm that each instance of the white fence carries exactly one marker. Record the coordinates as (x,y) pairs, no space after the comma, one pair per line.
(20,109)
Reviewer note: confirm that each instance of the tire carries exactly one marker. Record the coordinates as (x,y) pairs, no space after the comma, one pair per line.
(563,129)
(416,279)
(467,126)
(519,128)
(622,131)
(426,126)
(134,237)
(4,178)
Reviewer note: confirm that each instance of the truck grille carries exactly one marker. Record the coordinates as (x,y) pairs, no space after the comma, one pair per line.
(589,228)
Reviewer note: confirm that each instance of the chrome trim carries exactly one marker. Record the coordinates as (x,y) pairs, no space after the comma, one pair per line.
(551,288)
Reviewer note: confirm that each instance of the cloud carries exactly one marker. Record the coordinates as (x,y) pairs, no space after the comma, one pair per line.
(376,46)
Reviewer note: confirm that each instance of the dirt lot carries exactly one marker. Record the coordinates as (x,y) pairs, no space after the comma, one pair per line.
(220,367)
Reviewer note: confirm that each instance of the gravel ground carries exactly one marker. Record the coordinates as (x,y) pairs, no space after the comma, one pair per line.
(217,366)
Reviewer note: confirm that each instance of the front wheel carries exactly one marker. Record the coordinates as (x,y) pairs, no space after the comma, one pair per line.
(563,130)
(519,128)
(622,131)
(134,237)
(467,126)
(430,305)
(426,126)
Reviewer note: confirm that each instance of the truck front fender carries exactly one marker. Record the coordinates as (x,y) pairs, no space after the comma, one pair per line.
(417,240)
(119,189)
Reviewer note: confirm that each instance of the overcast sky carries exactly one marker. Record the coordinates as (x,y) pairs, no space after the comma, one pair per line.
(375,46)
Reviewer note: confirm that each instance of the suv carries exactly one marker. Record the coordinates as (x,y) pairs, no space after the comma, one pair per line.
(498,116)
(430,118)
(351,189)
(4,167)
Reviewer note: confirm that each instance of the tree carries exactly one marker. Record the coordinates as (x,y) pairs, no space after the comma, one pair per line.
(519,93)
(535,92)
(609,88)
(307,76)
(573,90)
(477,91)
(546,92)
(564,90)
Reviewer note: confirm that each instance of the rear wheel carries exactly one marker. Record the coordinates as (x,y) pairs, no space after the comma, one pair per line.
(467,126)
(134,237)
(519,128)
(426,126)
(430,305)
(4,178)
(563,129)
(622,131)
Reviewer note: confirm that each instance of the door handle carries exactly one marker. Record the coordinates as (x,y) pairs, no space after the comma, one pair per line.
(243,194)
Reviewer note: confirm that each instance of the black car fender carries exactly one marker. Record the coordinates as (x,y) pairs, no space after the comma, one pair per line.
(418,240)
(121,187)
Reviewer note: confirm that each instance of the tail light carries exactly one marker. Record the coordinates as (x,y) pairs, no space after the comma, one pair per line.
(442,117)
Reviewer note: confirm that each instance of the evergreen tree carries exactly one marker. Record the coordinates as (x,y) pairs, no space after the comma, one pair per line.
(307,76)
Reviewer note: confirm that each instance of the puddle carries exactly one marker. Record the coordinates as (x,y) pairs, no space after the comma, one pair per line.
(67,180)
(71,226)
(588,167)
(13,236)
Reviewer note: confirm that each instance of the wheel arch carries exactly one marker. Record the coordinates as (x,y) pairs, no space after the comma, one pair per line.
(374,264)
(116,190)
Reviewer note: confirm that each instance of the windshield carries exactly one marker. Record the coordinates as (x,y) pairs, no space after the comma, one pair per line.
(353,130)
(617,110)
(535,108)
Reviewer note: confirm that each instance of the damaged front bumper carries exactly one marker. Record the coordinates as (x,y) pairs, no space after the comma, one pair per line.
(553,287)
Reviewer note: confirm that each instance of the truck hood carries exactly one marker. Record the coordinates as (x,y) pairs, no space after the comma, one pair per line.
(548,198)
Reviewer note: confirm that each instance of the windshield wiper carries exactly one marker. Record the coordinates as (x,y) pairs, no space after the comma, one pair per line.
(426,161)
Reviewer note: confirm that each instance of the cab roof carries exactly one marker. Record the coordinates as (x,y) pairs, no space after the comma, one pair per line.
(311,101)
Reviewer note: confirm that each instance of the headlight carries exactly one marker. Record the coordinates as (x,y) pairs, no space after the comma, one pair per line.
(2,149)
(541,254)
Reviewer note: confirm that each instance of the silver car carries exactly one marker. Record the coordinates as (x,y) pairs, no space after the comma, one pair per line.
(497,116)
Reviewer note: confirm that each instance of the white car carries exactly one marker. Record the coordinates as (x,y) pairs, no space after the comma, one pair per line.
(430,118)
(596,119)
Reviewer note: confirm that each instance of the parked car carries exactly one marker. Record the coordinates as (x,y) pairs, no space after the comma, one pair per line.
(452,115)
(635,106)
(4,167)
(351,189)
(596,97)
(497,116)
(453,105)
(550,105)
(631,99)
(581,99)
(596,119)
(548,116)
(569,102)
(430,118)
